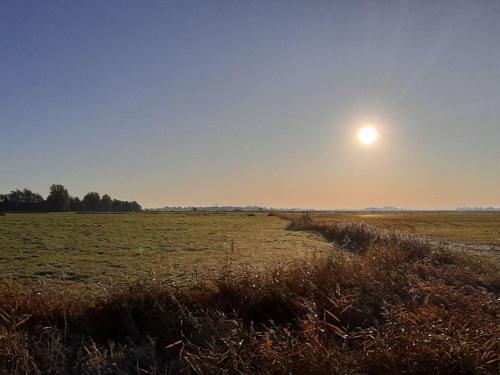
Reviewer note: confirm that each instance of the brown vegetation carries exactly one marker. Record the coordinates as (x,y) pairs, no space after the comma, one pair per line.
(359,237)
(395,306)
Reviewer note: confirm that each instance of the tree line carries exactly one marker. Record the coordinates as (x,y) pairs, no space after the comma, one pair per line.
(59,200)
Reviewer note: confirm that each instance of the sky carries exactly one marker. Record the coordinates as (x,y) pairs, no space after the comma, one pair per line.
(253,102)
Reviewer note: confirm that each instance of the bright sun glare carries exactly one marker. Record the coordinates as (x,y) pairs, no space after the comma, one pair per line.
(367,135)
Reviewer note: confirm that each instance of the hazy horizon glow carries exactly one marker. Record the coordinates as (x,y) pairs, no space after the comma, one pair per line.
(231,103)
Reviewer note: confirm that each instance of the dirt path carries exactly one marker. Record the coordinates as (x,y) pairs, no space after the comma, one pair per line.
(466,246)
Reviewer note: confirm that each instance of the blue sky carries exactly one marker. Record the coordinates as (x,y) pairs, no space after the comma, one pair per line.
(201,102)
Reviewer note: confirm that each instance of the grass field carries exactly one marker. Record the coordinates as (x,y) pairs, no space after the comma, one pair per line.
(480,228)
(87,248)
(386,303)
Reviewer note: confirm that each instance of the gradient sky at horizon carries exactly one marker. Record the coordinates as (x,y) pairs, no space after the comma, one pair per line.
(232,102)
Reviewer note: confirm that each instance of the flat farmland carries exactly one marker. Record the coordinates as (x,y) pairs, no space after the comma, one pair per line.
(61,248)
(98,292)
(90,248)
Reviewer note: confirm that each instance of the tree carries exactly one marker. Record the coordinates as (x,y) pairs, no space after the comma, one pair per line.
(58,199)
(106,203)
(75,204)
(21,200)
(136,207)
(91,201)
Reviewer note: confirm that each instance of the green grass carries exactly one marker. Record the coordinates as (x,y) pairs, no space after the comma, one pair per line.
(481,228)
(88,248)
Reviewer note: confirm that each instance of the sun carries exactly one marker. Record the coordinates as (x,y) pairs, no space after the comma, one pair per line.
(367,135)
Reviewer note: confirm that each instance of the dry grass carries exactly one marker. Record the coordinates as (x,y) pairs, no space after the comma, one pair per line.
(359,237)
(383,310)
(477,228)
